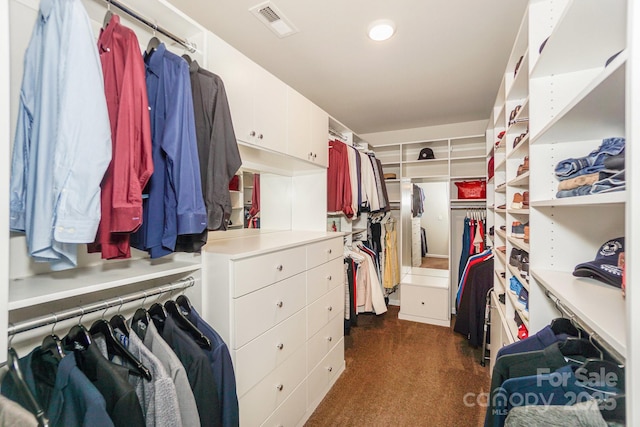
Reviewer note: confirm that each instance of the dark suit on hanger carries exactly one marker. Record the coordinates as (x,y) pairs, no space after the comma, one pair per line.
(123,405)
(68,397)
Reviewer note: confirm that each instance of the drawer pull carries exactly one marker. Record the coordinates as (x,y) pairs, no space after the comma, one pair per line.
(279,304)
(280,346)
(260,136)
(280,387)
(329,278)
(330,369)
(329,339)
(279,268)
(329,251)
(422,302)
(329,308)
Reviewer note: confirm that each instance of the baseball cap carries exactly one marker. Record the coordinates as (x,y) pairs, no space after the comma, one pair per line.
(605,266)
(426,153)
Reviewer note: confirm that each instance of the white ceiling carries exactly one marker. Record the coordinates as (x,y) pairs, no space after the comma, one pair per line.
(444,65)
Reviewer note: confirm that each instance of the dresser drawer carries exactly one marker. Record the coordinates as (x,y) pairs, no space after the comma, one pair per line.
(323,374)
(424,301)
(262,270)
(319,345)
(259,311)
(326,250)
(272,348)
(320,312)
(260,402)
(291,411)
(323,278)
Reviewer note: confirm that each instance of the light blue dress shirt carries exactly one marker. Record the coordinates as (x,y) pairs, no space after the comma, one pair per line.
(62,145)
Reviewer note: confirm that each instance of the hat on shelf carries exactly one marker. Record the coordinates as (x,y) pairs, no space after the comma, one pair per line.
(605,266)
(426,153)
(390,175)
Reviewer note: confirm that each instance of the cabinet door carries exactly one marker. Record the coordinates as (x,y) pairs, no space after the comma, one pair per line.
(318,138)
(298,125)
(270,102)
(238,74)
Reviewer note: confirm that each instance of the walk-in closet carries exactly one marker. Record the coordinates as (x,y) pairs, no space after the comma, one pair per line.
(268,213)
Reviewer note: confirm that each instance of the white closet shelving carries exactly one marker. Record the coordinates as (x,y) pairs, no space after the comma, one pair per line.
(573,101)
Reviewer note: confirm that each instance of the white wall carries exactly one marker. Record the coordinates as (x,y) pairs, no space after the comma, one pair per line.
(451,130)
(435,219)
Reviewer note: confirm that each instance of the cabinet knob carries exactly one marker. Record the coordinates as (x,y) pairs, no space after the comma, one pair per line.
(310,155)
(329,251)
(279,304)
(329,278)
(330,369)
(280,387)
(279,268)
(252,133)
(422,303)
(329,339)
(314,156)
(260,136)
(329,308)
(280,346)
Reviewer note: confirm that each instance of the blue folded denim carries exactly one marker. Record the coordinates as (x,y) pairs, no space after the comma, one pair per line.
(580,191)
(609,181)
(594,162)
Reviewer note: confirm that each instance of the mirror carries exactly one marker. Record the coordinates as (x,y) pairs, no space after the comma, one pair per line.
(430,229)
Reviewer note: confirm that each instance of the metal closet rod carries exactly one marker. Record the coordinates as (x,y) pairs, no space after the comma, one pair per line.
(191,47)
(593,335)
(98,306)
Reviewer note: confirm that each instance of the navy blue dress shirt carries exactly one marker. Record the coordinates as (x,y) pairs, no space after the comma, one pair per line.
(175,205)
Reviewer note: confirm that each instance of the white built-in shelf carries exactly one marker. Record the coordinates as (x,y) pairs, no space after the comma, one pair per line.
(426,161)
(501,189)
(490,181)
(237,207)
(499,164)
(390,163)
(515,272)
(392,180)
(501,280)
(501,307)
(462,201)
(519,211)
(575,32)
(519,243)
(394,201)
(55,286)
(520,86)
(497,210)
(463,177)
(429,177)
(477,157)
(513,327)
(248,186)
(613,198)
(234,191)
(522,149)
(520,180)
(599,306)
(502,257)
(500,233)
(584,118)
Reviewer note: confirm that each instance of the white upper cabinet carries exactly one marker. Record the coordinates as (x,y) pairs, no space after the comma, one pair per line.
(307,126)
(257,99)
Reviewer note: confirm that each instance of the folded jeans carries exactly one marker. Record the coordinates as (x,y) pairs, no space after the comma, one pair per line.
(593,162)
(609,181)
(580,191)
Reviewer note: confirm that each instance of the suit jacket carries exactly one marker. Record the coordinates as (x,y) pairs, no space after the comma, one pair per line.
(110,379)
(71,400)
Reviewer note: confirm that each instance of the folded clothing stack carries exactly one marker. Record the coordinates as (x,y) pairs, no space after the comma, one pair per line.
(601,171)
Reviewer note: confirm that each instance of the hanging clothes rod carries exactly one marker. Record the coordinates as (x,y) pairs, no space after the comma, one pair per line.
(98,306)
(191,47)
(337,134)
(468,207)
(593,335)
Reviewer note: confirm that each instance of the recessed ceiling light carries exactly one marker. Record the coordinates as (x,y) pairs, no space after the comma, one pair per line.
(381,29)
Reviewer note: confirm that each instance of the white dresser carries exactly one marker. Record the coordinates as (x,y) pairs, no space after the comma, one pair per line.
(277,299)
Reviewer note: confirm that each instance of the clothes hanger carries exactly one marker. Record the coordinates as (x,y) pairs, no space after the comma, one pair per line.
(18,379)
(154,42)
(119,322)
(562,325)
(115,347)
(186,325)
(52,342)
(184,303)
(141,314)
(78,338)
(107,16)
(613,408)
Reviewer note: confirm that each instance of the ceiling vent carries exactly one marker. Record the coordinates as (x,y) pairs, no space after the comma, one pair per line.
(270,16)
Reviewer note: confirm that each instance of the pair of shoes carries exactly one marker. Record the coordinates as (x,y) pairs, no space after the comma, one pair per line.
(515,258)
(514,113)
(517,201)
(501,298)
(523,298)
(524,167)
(525,199)
(517,230)
(526,234)
(523,332)
(515,286)
(503,227)
(524,266)
(520,138)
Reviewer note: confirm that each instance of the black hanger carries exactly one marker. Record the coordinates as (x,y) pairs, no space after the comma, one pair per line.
(78,338)
(562,325)
(119,322)
(186,325)
(614,373)
(573,346)
(18,379)
(153,45)
(614,408)
(52,343)
(140,315)
(115,347)
(157,310)
(184,303)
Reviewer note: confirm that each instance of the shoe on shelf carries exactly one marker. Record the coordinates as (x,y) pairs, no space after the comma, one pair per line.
(503,227)
(515,286)
(515,258)
(523,298)
(526,233)
(523,332)
(501,298)
(517,201)
(525,199)
(491,231)
(502,274)
(524,167)
(517,230)
(502,249)
(502,207)
(524,266)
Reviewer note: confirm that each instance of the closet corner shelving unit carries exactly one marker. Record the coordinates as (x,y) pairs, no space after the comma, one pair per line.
(572,101)
(425,295)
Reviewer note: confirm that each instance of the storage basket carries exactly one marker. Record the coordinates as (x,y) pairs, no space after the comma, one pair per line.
(472,189)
